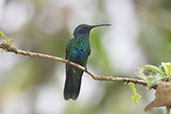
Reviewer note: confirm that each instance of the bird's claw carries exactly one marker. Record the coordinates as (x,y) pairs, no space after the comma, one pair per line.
(85,69)
(68,62)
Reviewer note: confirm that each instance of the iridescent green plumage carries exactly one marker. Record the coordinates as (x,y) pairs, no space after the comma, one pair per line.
(78,50)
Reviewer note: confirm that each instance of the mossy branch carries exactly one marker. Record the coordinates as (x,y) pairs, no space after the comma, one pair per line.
(8,48)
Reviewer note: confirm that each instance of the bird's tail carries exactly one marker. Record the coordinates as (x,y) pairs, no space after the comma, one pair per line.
(72,88)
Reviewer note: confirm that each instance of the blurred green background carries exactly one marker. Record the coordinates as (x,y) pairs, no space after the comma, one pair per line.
(140,34)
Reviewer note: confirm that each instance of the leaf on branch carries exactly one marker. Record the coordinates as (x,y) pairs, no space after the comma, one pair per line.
(152,80)
(167,68)
(137,96)
(140,73)
(152,67)
(163,96)
(158,74)
(2,34)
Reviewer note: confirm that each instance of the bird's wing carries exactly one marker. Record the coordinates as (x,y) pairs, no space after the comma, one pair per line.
(67,50)
(66,57)
(89,52)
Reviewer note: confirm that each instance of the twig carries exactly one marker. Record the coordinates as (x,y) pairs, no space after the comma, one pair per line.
(9,48)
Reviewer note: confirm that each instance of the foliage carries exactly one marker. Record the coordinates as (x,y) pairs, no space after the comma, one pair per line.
(137,96)
(2,34)
(157,74)
(6,42)
(167,68)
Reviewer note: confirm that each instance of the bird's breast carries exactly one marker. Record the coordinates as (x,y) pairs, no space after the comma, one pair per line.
(78,52)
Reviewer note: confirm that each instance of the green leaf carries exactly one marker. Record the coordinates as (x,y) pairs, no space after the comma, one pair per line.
(167,68)
(152,80)
(2,34)
(140,73)
(137,96)
(152,67)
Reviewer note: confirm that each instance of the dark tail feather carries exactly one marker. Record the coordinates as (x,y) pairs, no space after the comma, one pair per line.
(72,88)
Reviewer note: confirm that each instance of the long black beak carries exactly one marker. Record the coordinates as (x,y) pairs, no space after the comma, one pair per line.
(93,26)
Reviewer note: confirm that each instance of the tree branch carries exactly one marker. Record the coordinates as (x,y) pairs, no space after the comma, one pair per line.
(13,49)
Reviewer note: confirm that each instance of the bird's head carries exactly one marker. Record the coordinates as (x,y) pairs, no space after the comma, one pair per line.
(84,28)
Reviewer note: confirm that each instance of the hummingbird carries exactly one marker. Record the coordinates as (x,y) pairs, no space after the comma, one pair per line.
(77,51)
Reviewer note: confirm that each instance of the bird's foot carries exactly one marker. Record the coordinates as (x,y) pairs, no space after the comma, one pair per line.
(86,69)
(68,62)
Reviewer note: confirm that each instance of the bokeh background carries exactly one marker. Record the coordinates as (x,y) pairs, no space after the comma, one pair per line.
(140,34)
